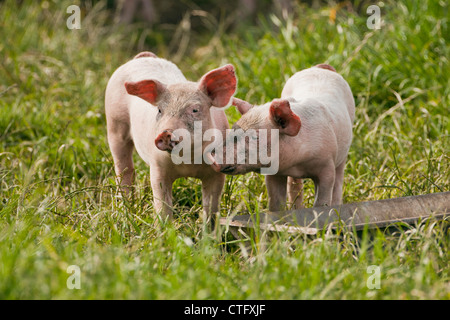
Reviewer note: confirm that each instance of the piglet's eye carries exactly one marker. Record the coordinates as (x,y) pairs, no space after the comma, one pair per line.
(195,110)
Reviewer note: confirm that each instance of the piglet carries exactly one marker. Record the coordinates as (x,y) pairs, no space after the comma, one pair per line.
(146,100)
(314,119)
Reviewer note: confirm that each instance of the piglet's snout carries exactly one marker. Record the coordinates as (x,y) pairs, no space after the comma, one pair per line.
(224,168)
(216,167)
(166,140)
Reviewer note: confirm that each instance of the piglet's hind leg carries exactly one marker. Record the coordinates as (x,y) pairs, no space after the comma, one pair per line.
(122,152)
(295,192)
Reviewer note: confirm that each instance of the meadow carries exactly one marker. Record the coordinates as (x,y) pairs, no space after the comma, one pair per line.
(60,205)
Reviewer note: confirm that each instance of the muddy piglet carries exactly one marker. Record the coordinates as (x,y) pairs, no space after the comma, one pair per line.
(314,119)
(146,100)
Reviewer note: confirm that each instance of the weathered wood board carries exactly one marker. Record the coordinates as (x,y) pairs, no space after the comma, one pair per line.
(380,213)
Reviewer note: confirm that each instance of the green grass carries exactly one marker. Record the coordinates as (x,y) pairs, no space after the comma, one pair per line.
(59,204)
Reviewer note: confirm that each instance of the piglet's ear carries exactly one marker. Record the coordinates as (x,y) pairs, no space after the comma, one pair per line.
(149,90)
(220,85)
(241,105)
(281,115)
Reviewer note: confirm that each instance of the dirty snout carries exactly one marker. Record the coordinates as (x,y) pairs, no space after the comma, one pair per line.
(228,157)
(166,140)
(224,168)
(228,169)
(253,150)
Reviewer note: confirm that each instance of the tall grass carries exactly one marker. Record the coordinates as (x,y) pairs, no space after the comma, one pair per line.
(59,204)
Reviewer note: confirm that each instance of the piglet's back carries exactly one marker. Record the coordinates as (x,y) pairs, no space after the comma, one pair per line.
(322,84)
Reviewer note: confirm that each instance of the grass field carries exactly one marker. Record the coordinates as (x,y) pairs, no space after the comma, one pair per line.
(58,199)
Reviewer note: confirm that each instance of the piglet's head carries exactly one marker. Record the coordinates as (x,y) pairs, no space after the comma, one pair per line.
(253,143)
(180,105)
(280,115)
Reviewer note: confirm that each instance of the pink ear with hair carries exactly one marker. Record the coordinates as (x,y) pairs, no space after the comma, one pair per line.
(281,115)
(149,90)
(325,66)
(220,85)
(241,105)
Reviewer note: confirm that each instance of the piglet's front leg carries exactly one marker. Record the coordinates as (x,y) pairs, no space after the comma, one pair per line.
(162,192)
(211,192)
(276,191)
(324,185)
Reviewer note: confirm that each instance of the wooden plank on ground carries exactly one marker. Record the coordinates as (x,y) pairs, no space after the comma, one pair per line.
(380,213)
